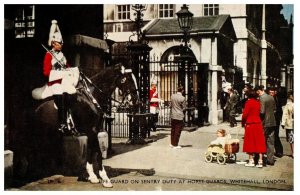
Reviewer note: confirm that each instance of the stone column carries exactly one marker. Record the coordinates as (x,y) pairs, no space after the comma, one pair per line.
(263,50)
(214,103)
(215,114)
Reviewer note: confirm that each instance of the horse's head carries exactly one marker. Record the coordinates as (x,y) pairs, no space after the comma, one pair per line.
(117,84)
(126,93)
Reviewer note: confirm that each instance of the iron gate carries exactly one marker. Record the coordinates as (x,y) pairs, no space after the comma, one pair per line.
(167,82)
(167,75)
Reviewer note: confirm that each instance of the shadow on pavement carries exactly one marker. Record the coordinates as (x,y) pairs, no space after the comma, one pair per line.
(115,172)
(121,145)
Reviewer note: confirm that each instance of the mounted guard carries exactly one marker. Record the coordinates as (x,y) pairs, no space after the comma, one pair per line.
(62,80)
(88,100)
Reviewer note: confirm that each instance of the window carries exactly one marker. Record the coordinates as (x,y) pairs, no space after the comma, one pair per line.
(123,12)
(24,22)
(211,9)
(166,10)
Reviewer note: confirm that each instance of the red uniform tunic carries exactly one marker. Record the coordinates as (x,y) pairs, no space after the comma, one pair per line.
(153,94)
(49,63)
(254,139)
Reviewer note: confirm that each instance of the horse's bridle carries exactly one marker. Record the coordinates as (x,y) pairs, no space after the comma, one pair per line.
(127,93)
(89,94)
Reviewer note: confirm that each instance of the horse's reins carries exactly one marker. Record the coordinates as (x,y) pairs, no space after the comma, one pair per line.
(89,94)
(85,79)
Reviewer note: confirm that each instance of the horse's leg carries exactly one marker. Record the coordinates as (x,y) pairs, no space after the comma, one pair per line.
(105,180)
(94,148)
(102,173)
(90,154)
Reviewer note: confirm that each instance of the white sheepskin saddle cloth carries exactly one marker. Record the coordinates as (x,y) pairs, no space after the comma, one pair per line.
(70,78)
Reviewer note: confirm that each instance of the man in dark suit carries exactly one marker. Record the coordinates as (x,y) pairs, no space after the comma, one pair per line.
(267,110)
(278,116)
(231,106)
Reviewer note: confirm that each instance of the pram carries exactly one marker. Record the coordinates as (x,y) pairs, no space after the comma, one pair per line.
(222,155)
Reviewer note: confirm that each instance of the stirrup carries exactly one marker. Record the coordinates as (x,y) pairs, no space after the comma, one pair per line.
(62,128)
(71,125)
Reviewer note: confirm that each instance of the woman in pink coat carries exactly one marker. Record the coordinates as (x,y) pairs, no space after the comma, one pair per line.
(254,140)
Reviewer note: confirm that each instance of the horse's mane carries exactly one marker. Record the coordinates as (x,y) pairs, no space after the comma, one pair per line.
(111,70)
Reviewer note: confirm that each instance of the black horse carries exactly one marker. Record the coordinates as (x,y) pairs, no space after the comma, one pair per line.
(89,108)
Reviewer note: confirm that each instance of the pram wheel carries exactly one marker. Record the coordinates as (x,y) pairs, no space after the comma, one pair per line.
(208,157)
(232,157)
(221,158)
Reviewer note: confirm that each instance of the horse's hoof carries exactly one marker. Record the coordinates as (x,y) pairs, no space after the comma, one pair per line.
(107,184)
(94,180)
(105,180)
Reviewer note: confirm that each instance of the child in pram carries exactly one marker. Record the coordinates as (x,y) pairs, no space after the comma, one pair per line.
(222,148)
(220,138)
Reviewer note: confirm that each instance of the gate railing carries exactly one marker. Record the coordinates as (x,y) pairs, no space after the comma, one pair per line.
(167,82)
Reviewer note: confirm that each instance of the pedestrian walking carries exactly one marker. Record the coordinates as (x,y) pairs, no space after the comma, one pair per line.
(278,115)
(223,100)
(254,139)
(288,121)
(243,101)
(178,107)
(267,110)
(231,106)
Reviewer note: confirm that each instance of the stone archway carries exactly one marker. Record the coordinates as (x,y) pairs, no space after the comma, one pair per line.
(171,53)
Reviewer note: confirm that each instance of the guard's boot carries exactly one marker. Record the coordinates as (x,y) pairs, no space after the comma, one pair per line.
(92,176)
(105,180)
(58,100)
(68,100)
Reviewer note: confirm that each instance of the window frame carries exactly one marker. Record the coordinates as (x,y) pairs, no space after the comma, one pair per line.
(211,9)
(24,22)
(166,10)
(124,9)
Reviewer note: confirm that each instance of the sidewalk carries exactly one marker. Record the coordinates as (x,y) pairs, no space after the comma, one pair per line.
(189,162)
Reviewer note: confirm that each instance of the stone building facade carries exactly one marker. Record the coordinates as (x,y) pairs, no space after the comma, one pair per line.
(253,30)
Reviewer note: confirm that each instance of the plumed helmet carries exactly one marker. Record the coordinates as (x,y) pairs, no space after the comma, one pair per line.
(153,79)
(54,34)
